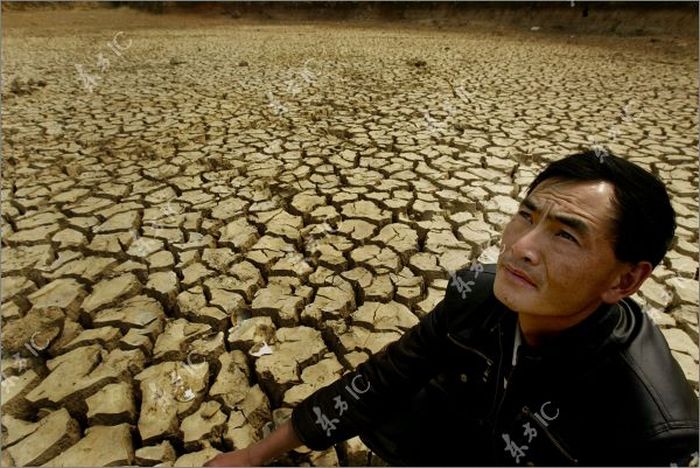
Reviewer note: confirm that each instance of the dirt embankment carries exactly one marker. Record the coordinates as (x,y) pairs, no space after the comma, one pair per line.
(623,18)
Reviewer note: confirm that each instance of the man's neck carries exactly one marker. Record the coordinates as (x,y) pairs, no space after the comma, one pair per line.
(536,328)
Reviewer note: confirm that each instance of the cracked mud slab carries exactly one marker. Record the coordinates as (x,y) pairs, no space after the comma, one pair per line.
(195,245)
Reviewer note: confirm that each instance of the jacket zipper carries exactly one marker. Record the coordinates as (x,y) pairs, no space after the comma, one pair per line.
(526,411)
(489,362)
(496,409)
(469,348)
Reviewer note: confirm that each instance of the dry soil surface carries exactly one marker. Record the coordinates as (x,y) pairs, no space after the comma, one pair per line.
(182,196)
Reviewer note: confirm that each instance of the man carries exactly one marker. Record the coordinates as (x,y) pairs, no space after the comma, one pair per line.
(544,361)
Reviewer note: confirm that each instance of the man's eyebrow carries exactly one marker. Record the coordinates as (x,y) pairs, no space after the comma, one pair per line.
(574,223)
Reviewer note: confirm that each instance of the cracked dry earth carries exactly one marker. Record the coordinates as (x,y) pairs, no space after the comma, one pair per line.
(235,217)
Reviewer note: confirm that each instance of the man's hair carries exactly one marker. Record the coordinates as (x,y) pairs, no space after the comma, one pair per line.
(644,220)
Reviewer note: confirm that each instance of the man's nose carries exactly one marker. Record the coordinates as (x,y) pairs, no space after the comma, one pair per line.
(527,247)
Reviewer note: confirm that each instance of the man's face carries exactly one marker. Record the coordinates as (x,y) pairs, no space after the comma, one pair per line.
(561,239)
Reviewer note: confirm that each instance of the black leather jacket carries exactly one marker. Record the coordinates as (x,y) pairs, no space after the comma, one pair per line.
(605,392)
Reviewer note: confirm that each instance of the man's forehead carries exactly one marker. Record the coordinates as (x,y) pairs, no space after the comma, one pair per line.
(593,196)
(586,205)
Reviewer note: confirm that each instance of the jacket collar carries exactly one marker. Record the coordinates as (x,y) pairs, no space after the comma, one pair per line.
(608,325)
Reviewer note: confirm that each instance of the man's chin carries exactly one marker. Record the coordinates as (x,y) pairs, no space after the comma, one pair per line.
(516,300)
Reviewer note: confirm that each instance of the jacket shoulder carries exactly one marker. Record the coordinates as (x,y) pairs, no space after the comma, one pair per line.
(471,283)
(648,383)
(666,388)
(469,293)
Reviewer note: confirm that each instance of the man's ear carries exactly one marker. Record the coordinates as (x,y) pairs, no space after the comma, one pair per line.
(629,280)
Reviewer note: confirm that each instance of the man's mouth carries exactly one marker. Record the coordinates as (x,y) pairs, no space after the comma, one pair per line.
(520,277)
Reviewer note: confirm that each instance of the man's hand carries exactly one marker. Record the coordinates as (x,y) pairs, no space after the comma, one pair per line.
(236,458)
(280,441)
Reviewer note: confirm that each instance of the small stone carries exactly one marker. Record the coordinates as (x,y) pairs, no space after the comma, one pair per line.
(161,260)
(164,285)
(134,339)
(687,318)
(384,317)
(107,337)
(661,319)
(68,238)
(239,432)
(206,424)
(37,235)
(14,285)
(249,332)
(197,459)
(10,311)
(22,334)
(171,344)
(232,382)
(89,268)
(155,454)
(66,294)
(135,312)
(381,289)
(50,437)
(367,211)
(330,303)
(679,341)
(256,408)
(360,339)
(686,290)
(219,259)
(296,347)
(400,238)
(239,235)
(327,457)
(377,259)
(426,265)
(142,247)
(101,446)
(357,229)
(655,294)
(279,303)
(315,376)
(195,274)
(231,303)
(169,390)
(357,452)
(14,429)
(230,208)
(20,259)
(112,405)
(13,392)
(109,291)
(80,373)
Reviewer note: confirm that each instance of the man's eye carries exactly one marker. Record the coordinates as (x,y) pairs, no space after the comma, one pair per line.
(524,214)
(569,236)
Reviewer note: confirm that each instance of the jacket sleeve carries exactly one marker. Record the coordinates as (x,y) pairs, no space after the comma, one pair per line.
(678,447)
(342,409)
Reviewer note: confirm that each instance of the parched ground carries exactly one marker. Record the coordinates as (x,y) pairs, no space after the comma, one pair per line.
(203,223)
